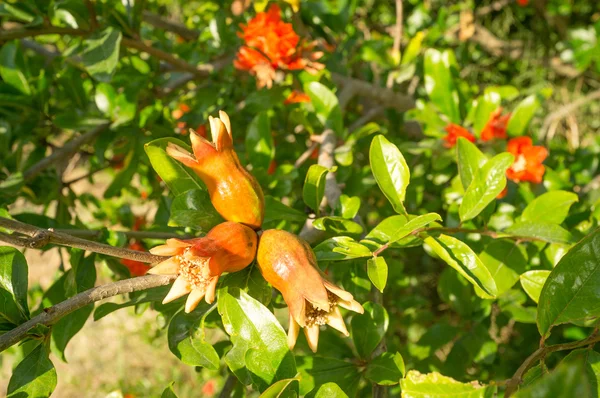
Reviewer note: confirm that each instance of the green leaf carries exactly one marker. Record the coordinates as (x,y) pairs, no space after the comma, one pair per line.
(349,206)
(12,67)
(387,228)
(277,390)
(314,186)
(369,328)
(486,104)
(434,385)
(330,390)
(194,209)
(145,296)
(550,207)
(571,291)
(390,171)
(484,188)
(100,54)
(178,178)
(317,372)
(506,260)
(414,225)
(387,369)
(186,338)
(522,115)
(461,257)
(533,281)
(169,392)
(377,270)
(569,379)
(542,230)
(34,376)
(591,363)
(440,84)
(13,286)
(259,141)
(340,248)
(338,225)
(470,160)
(326,106)
(260,352)
(277,211)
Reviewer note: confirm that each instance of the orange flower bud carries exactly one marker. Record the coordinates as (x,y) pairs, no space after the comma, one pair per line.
(289,264)
(234,192)
(228,247)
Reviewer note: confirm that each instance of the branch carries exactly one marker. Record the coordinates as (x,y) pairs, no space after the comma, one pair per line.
(513,384)
(385,96)
(565,110)
(52,314)
(170,26)
(95,234)
(36,238)
(49,30)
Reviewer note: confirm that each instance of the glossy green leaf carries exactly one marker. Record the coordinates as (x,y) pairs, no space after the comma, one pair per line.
(314,186)
(506,260)
(470,160)
(260,352)
(186,338)
(278,389)
(369,328)
(485,105)
(377,270)
(13,286)
(259,141)
(387,228)
(591,364)
(533,282)
(439,82)
(326,106)
(550,207)
(569,379)
(169,392)
(435,385)
(387,369)
(340,248)
(484,188)
(522,115)
(338,225)
(277,211)
(330,390)
(100,54)
(413,225)
(178,178)
(319,371)
(548,232)
(571,291)
(390,171)
(461,257)
(34,376)
(349,206)
(194,209)
(12,67)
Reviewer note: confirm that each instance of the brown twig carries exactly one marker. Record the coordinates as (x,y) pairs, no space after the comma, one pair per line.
(384,96)
(95,234)
(48,30)
(171,26)
(52,314)
(567,109)
(306,154)
(92,11)
(513,384)
(36,238)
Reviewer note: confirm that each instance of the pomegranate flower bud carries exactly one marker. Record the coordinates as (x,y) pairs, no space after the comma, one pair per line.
(199,262)
(234,192)
(289,264)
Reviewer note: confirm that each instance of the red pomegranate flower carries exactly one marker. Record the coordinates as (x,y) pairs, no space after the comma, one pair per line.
(136,268)
(454,132)
(528,160)
(296,97)
(496,126)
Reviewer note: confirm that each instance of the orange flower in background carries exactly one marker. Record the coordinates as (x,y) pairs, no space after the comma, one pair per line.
(136,268)
(181,110)
(528,160)
(496,126)
(198,263)
(233,191)
(289,264)
(454,132)
(271,44)
(523,3)
(296,97)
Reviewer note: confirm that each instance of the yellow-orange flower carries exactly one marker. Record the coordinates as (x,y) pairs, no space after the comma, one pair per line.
(198,263)
(234,192)
(289,264)
(271,44)
(528,160)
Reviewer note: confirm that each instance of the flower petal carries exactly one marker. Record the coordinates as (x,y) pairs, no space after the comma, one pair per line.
(336,321)
(210,290)
(338,291)
(293,332)
(220,136)
(200,145)
(179,289)
(312,336)
(180,154)
(352,305)
(167,267)
(194,299)
(165,250)
(225,119)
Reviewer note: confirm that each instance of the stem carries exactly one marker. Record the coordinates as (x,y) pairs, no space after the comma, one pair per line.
(52,314)
(513,384)
(171,26)
(49,30)
(95,234)
(228,387)
(37,238)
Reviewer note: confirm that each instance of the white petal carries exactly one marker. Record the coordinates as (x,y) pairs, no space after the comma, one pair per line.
(210,290)
(336,321)
(312,336)
(174,242)
(194,299)
(351,305)
(165,250)
(167,267)
(293,333)
(341,293)
(225,119)
(179,289)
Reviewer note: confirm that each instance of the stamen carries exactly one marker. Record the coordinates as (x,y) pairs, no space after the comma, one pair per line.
(194,269)
(316,316)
